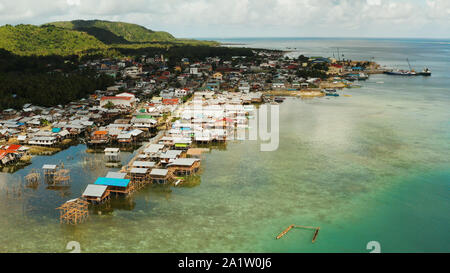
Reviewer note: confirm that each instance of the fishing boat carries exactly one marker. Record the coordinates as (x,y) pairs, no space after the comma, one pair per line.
(425,72)
(330,92)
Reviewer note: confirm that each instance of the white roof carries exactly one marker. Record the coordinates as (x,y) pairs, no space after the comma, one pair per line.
(139,170)
(116,175)
(183,162)
(143,164)
(124,136)
(171,154)
(49,167)
(94,190)
(136,132)
(153,148)
(161,172)
(112,150)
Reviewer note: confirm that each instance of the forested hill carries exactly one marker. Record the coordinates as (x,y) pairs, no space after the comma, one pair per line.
(34,40)
(95,37)
(112,32)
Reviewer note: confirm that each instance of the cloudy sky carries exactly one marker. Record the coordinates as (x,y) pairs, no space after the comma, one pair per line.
(249,18)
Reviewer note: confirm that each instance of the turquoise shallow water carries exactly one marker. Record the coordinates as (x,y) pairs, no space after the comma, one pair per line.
(370,167)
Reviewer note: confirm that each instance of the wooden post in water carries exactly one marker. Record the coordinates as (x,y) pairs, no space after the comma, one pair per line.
(316,231)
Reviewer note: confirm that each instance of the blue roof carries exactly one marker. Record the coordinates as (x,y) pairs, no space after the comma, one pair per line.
(56,130)
(116,182)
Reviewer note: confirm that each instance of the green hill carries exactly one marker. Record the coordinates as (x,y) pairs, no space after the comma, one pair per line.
(117,30)
(93,38)
(34,40)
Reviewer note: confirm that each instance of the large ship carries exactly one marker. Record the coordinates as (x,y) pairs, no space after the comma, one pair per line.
(410,72)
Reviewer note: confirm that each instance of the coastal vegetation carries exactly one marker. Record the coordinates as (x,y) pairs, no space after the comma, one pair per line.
(45,81)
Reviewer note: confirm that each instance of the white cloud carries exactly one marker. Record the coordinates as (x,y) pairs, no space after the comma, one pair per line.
(197,18)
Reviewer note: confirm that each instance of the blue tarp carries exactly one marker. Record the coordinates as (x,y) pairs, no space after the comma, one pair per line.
(56,130)
(115,182)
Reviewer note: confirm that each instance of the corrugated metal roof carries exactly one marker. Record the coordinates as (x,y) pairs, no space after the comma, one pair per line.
(112,150)
(116,175)
(143,164)
(160,172)
(139,170)
(116,182)
(183,162)
(93,190)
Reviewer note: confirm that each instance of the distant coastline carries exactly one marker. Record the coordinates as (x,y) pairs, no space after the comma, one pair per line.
(227,44)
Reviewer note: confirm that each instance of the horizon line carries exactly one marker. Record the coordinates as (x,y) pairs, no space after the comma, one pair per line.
(315,37)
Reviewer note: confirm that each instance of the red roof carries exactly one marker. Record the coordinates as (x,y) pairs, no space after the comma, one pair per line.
(225,119)
(170,101)
(13,147)
(116,98)
(3,153)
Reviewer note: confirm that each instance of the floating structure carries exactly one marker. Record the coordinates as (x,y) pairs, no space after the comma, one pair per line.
(74,211)
(316,231)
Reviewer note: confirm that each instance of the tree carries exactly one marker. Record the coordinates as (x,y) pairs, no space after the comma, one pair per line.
(109,105)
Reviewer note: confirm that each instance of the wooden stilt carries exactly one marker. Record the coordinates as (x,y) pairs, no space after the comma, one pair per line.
(315,234)
(284,232)
(316,231)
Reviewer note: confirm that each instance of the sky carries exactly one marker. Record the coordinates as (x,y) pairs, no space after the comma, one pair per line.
(249,18)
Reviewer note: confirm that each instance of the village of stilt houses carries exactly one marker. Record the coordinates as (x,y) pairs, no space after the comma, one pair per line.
(169,137)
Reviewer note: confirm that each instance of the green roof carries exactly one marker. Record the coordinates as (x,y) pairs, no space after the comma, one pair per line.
(144,116)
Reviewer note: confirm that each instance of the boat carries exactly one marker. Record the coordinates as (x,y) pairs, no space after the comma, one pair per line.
(356,76)
(330,92)
(279,99)
(425,72)
(410,72)
(400,73)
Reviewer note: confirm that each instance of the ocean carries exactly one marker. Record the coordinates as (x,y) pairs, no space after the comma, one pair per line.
(371,166)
